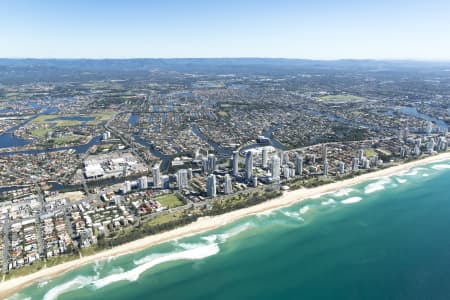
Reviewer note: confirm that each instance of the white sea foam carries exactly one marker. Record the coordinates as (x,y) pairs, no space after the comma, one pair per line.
(234,231)
(425,175)
(304,210)
(351,200)
(71,285)
(293,215)
(188,246)
(147,258)
(376,186)
(116,270)
(441,167)
(133,274)
(265,213)
(98,265)
(222,237)
(343,192)
(210,238)
(111,258)
(412,172)
(18,297)
(400,180)
(42,284)
(328,202)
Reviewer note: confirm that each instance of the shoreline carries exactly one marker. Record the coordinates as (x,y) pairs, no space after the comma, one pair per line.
(203,224)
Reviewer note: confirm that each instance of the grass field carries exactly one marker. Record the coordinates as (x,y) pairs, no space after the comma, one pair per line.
(99,118)
(341,98)
(104,147)
(169,200)
(223,114)
(41,132)
(369,152)
(66,139)
(166,218)
(384,152)
(87,251)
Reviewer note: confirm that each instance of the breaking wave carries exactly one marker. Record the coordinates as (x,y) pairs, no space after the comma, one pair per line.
(116,271)
(304,210)
(328,202)
(376,186)
(234,231)
(343,192)
(265,213)
(210,238)
(188,246)
(400,180)
(351,200)
(133,274)
(98,265)
(42,284)
(223,237)
(148,258)
(412,172)
(441,167)
(190,251)
(71,285)
(293,215)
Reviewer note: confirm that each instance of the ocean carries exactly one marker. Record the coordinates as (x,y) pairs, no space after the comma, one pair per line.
(384,239)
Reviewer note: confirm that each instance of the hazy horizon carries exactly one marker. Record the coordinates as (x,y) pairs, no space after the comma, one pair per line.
(237,58)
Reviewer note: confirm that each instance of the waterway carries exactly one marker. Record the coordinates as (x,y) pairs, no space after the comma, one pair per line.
(274,142)
(412,111)
(221,151)
(165,159)
(78,149)
(7,139)
(347,121)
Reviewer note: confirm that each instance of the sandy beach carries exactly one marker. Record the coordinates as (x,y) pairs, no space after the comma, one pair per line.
(288,198)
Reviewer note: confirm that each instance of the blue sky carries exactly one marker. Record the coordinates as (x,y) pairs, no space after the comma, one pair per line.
(314,29)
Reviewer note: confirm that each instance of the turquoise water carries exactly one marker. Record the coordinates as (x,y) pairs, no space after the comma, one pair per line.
(384,239)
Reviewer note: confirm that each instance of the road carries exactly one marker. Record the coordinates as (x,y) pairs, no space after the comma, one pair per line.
(41,243)
(38,218)
(6,247)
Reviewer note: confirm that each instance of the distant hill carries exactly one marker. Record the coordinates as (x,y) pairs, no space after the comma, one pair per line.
(60,70)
